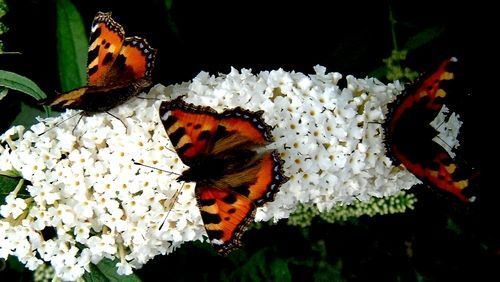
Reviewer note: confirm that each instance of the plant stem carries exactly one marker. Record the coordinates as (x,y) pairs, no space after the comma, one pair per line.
(393,29)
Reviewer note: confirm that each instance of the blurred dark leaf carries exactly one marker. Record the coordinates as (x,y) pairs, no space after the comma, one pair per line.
(379,73)
(329,272)
(168,4)
(254,269)
(105,270)
(15,264)
(27,115)
(280,269)
(71,46)
(422,38)
(453,227)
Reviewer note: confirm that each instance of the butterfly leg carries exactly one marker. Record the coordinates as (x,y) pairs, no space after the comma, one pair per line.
(126,128)
(79,119)
(57,124)
(171,205)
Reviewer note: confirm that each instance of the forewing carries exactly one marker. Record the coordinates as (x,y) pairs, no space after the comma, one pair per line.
(190,128)
(135,61)
(106,40)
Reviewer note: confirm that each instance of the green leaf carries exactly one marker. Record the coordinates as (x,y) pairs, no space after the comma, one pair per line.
(168,4)
(10,173)
(105,270)
(22,84)
(280,270)
(71,46)
(379,73)
(94,275)
(423,37)
(7,185)
(15,264)
(27,115)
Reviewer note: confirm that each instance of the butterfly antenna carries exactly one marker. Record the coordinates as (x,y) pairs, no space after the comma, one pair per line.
(117,119)
(148,98)
(171,150)
(152,167)
(57,124)
(171,206)
(73,131)
(444,142)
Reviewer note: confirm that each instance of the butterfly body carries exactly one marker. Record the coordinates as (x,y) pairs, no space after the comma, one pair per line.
(89,98)
(227,159)
(119,68)
(409,135)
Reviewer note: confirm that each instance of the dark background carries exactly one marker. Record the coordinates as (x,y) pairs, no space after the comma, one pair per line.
(440,240)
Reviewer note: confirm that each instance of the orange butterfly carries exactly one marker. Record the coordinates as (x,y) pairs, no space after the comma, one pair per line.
(232,178)
(118,69)
(410,136)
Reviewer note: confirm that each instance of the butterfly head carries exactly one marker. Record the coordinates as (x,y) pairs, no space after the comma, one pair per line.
(202,168)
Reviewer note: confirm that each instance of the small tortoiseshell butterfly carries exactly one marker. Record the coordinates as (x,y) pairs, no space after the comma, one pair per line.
(118,69)
(409,134)
(225,155)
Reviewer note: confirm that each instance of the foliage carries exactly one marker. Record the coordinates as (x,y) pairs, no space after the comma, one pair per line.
(71,46)
(3,27)
(105,270)
(21,84)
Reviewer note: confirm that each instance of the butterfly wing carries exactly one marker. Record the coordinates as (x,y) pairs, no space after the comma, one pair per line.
(106,40)
(227,206)
(134,62)
(225,215)
(249,177)
(118,68)
(190,128)
(410,135)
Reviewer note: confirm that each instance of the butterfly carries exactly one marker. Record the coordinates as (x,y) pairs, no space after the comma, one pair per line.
(118,68)
(409,134)
(227,160)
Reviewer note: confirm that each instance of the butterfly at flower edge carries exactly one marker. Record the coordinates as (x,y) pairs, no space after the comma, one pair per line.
(409,135)
(231,177)
(118,69)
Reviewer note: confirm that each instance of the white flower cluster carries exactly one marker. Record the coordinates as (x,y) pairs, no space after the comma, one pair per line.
(84,184)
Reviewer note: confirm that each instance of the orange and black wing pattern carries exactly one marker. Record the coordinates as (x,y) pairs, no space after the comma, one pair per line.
(232,178)
(118,68)
(225,215)
(238,194)
(106,40)
(114,59)
(190,128)
(409,134)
